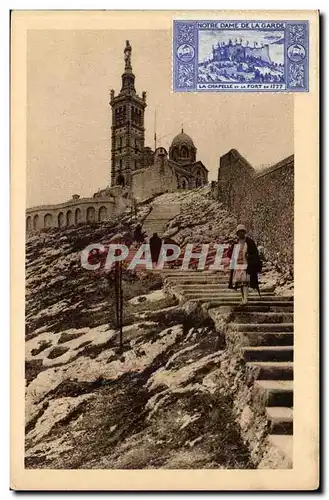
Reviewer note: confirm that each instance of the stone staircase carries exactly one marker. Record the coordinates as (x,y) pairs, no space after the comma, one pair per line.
(159,217)
(265,328)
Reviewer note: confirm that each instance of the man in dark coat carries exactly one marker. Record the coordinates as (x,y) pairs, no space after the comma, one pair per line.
(155,247)
(139,235)
(254,263)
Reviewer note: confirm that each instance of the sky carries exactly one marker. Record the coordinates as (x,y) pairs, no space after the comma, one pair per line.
(69,77)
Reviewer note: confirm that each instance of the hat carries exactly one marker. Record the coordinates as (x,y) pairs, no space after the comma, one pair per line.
(116,238)
(241,227)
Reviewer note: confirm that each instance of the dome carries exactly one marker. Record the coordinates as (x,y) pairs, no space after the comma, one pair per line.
(182,139)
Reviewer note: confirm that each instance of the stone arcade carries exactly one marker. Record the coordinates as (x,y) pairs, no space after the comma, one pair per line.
(137,172)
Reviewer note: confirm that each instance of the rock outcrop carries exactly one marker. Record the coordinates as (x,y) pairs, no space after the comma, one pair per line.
(157,402)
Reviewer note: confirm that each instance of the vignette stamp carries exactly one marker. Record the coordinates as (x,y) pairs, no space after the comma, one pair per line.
(228,56)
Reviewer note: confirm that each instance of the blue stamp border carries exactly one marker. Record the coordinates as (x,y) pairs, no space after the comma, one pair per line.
(191,67)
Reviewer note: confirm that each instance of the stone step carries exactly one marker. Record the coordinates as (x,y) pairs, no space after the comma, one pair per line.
(150,230)
(153,216)
(186,277)
(196,287)
(219,295)
(280,420)
(162,211)
(155,222)
(192,273)
(266,306)
(263,317)
(273,393)
(227,301)
(271,370)
(268,353)
(210,282)
(264,327)
(282,446)
(269,338)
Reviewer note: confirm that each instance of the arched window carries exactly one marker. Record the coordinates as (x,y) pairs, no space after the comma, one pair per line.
(117,116)
(77,217)
(28,223)
(120,116)
(175,154)
(48,220)
(36,221)
(184,152)
(102,214)
(61,219)
(199,180)
(69,218)
(121,180)
(90,214)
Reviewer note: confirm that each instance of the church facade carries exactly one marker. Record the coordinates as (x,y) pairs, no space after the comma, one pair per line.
(137,171)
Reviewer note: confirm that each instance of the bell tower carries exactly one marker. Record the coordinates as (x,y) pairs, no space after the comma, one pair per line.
(127,131)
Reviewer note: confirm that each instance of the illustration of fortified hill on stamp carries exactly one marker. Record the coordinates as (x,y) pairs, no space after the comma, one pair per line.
(240,56)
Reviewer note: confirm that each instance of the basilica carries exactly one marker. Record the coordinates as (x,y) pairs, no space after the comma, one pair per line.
(137,171)
(131,160)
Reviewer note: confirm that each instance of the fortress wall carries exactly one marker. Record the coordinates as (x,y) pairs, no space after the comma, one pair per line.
(263,201)
(235,178)
(262,52)
(273,211)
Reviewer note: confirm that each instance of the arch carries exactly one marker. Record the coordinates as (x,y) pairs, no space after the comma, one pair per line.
(198,179)
(102,214)
(121,180)
(90,214)
(69,218)
(28,223)
(184,152)
(175,154)
(36,221)
(184,183)
(48,220)
(61,219)
(77,216)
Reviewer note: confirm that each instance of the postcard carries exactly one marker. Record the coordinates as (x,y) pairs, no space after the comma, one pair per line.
(164,218)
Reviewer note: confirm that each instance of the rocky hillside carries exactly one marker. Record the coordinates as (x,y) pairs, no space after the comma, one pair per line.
(154,405)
